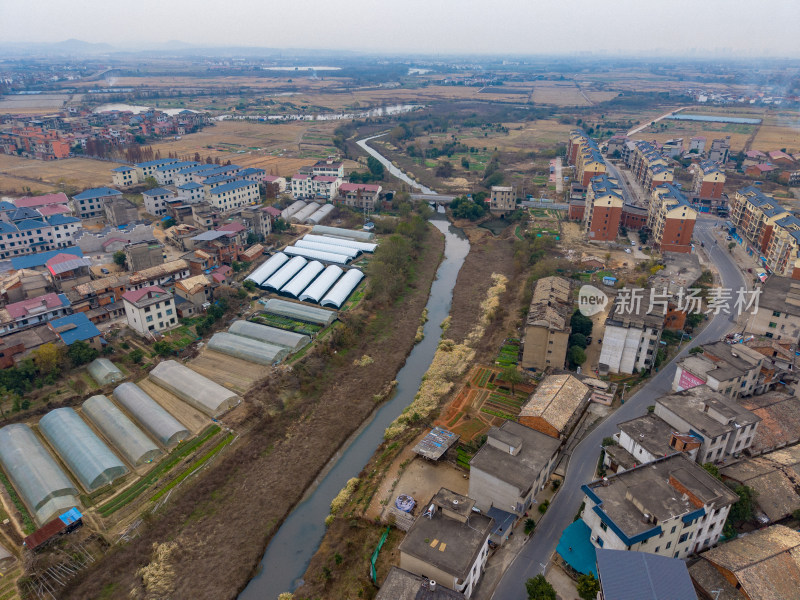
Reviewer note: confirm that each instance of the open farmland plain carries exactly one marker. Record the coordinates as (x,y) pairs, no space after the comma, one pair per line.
(18,173)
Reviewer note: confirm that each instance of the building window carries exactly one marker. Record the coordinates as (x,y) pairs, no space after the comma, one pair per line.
(603,526)
(772,325)
(150,319)
(668,545)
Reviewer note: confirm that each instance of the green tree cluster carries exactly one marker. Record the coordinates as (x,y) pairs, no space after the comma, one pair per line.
(465,208)
(538,588)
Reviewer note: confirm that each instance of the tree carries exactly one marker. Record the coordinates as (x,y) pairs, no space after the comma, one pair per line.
(465,162)
(444,169)
(375,167)
(743,510)
(577,356)
(539,588)
(80,353)
(150,182)
(578,339)
(163,348)
(167,223)
(252,238)
(581,324)
(47,358)
(588,587)
(731,246)
(530,525)
(249,285)
(511,376)
(136,355)
(119,258)
(712,470)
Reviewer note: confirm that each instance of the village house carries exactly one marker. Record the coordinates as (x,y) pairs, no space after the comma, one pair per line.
(150,310)
(234,195)
(670,507)
(448,543)
(18,346)
(124,176)
(733,370)
(509,470)
(24,284)
(100,299)
(763,565)
(165,174)
(328,168)
(502,200)
(547,326)
(155,201)
(35,311)
(77,328)
(120,211)
(631,338)
(191,192)
(722,425)
(164,275)
(556,406)
(359,195)
(89,203)
(720,150)
(780,421)
(778,315)
(402,585)
(192,295)
(143,255)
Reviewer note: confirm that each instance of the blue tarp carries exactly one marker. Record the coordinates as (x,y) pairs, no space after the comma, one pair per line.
(576,548)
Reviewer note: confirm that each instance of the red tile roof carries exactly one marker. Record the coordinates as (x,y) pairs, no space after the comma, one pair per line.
(135,295)
(53,209)
(36,201)
(272,211)
(354,187)
(232,227)
(326,178)
(20,309)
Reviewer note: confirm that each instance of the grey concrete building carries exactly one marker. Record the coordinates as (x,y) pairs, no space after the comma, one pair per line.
(143,255)
(733,370)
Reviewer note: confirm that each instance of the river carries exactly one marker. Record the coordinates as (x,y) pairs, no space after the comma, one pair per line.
(289,553)
(389,166)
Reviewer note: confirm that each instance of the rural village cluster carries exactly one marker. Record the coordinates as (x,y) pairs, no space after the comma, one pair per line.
(634,435)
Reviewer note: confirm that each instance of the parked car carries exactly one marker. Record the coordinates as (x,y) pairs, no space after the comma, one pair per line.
(729,238)
(633,243)
(589,340)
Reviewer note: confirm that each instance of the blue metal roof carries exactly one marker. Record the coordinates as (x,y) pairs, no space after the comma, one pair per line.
(20,214)
(219,178)
(71,516)
(159,191)
(192,185)
(643,576)
(100,192)
(177,165)
(83,328)
(250,171)
(122,169)
(62,220)
(37,260)
(233,185)
(4,205)
(7,227)
(30,224)
(576,548)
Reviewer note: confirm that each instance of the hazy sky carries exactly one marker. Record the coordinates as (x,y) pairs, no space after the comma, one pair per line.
(447,26)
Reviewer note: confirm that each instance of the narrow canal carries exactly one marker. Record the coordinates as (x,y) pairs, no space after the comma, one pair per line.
(289,553)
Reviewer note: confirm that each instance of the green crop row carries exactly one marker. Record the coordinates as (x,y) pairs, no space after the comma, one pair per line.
(27,522)
(497,413)
(193,467)
(172,459)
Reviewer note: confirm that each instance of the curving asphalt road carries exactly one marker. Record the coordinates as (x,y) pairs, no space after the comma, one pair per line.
(538,550)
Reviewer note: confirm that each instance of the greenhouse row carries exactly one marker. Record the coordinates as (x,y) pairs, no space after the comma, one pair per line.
(246,348)
(287,213)
(103,371)
(150,414)
(326,247)
(343,288)
(85,454)
(315,291)
(327,239)
(302,280)
(270,335)
(328,257)
(301,312)
(41,483)
(200,392)
(323,212)
(301,215)
(132,442)
(350,234)
(265,271)
(282,276)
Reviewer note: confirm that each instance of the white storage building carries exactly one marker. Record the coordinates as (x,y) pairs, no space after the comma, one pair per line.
(325,247)
(351,234)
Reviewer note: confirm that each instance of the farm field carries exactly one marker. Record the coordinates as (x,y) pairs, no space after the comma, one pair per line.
(233,373)
(33,104)
(17,173)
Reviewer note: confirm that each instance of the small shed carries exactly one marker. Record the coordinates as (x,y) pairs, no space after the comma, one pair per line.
(610,281)
(103,371)
(436,443)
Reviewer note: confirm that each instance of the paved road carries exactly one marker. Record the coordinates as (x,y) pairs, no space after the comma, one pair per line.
(542,545)
(627,194)
(664,116)
(559,178)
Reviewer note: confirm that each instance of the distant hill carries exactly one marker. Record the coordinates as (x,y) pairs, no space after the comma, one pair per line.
(71,46)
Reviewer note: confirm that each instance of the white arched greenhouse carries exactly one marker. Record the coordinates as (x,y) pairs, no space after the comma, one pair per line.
(301,281)
(270,335)
(351,234)
(191,387)
(329,257)
(150,414)
(90,460)
(43,486)
(315,291)
(285,273)
(247,348)
(325,247)
(292,209)
(343,288)
(326,239)
(323,212)
(118,429)
(103,371)
(265,271)
(301,312)
(305,212)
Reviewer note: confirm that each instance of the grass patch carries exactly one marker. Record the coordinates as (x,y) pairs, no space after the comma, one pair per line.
(27,522)
(193,467)
(172,459)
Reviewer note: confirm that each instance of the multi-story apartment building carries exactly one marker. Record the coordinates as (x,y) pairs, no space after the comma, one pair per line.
(708,180)
(124,176)
(38,235)
(155,201)
(328,168)
(89,203)
(148,168)
(502,199)
(720,150)
(754,214)
(603,209)
(733,370)
(34,311)
(722,425)
(783,247)
(778,314)
(150,310)
(630,342)
(235,194)
(671,507)
(650,168)
(671,220)
(582,151)
(166,174)
(360,195)
(547,327)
